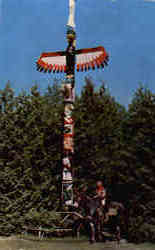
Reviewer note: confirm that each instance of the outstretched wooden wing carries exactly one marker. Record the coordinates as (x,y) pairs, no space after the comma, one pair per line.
(86,59)
(52,62)
(90,58)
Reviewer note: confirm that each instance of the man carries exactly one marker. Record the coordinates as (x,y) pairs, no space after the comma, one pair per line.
(101,192)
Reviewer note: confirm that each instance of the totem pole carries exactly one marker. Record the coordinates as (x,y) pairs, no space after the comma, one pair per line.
(65,61)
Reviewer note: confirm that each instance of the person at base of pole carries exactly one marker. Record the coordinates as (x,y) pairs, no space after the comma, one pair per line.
(101,192)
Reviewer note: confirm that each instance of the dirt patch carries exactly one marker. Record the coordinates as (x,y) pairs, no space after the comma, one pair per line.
(15,243)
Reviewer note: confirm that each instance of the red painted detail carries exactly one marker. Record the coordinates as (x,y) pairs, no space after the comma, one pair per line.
(64,67)
(61,68)
(98,63)
(69,135)
(50,68)
(54,68)
(70,121)
(78,67)
(92,65)
(82,67)
(57,68)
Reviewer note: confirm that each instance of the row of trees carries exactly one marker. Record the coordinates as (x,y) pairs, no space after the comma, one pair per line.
(111,143)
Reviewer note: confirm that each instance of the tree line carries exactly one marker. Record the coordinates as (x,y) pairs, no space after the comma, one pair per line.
(112,143)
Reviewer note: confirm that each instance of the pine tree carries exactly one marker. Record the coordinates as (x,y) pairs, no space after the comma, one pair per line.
(139,135)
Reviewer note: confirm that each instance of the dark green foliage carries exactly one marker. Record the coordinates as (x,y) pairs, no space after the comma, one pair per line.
(98,121)
(111,143)
(30,153)
(139,135)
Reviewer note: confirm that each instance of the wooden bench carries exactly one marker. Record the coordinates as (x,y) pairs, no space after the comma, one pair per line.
(42,231)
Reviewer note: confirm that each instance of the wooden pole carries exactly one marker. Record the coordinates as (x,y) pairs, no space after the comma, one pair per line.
(69,98)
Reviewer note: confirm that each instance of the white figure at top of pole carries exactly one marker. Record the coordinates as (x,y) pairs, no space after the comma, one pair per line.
(71,19)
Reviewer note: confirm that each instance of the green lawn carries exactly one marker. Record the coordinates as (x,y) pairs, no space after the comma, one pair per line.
(65,244)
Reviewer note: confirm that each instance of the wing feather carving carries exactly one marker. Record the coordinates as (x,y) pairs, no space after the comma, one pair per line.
(86,59)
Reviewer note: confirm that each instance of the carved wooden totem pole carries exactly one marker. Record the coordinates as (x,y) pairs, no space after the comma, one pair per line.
(65,61)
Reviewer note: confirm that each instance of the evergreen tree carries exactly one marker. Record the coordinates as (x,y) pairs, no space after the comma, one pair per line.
(139,135)
(97,128)
(111,144)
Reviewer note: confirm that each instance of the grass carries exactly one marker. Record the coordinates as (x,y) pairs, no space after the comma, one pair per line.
(16,243)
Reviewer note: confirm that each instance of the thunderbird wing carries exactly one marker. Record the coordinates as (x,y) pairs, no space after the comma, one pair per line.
(86,59)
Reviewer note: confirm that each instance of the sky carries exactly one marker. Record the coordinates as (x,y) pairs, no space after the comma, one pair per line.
(124,27)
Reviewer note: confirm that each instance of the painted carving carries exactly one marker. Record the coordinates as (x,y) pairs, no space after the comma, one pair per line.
(66,162)
(68,129)
(65,61)
(68,110)
(68,193)
(68,120)
(68,92)
(67,175)
(68,144)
